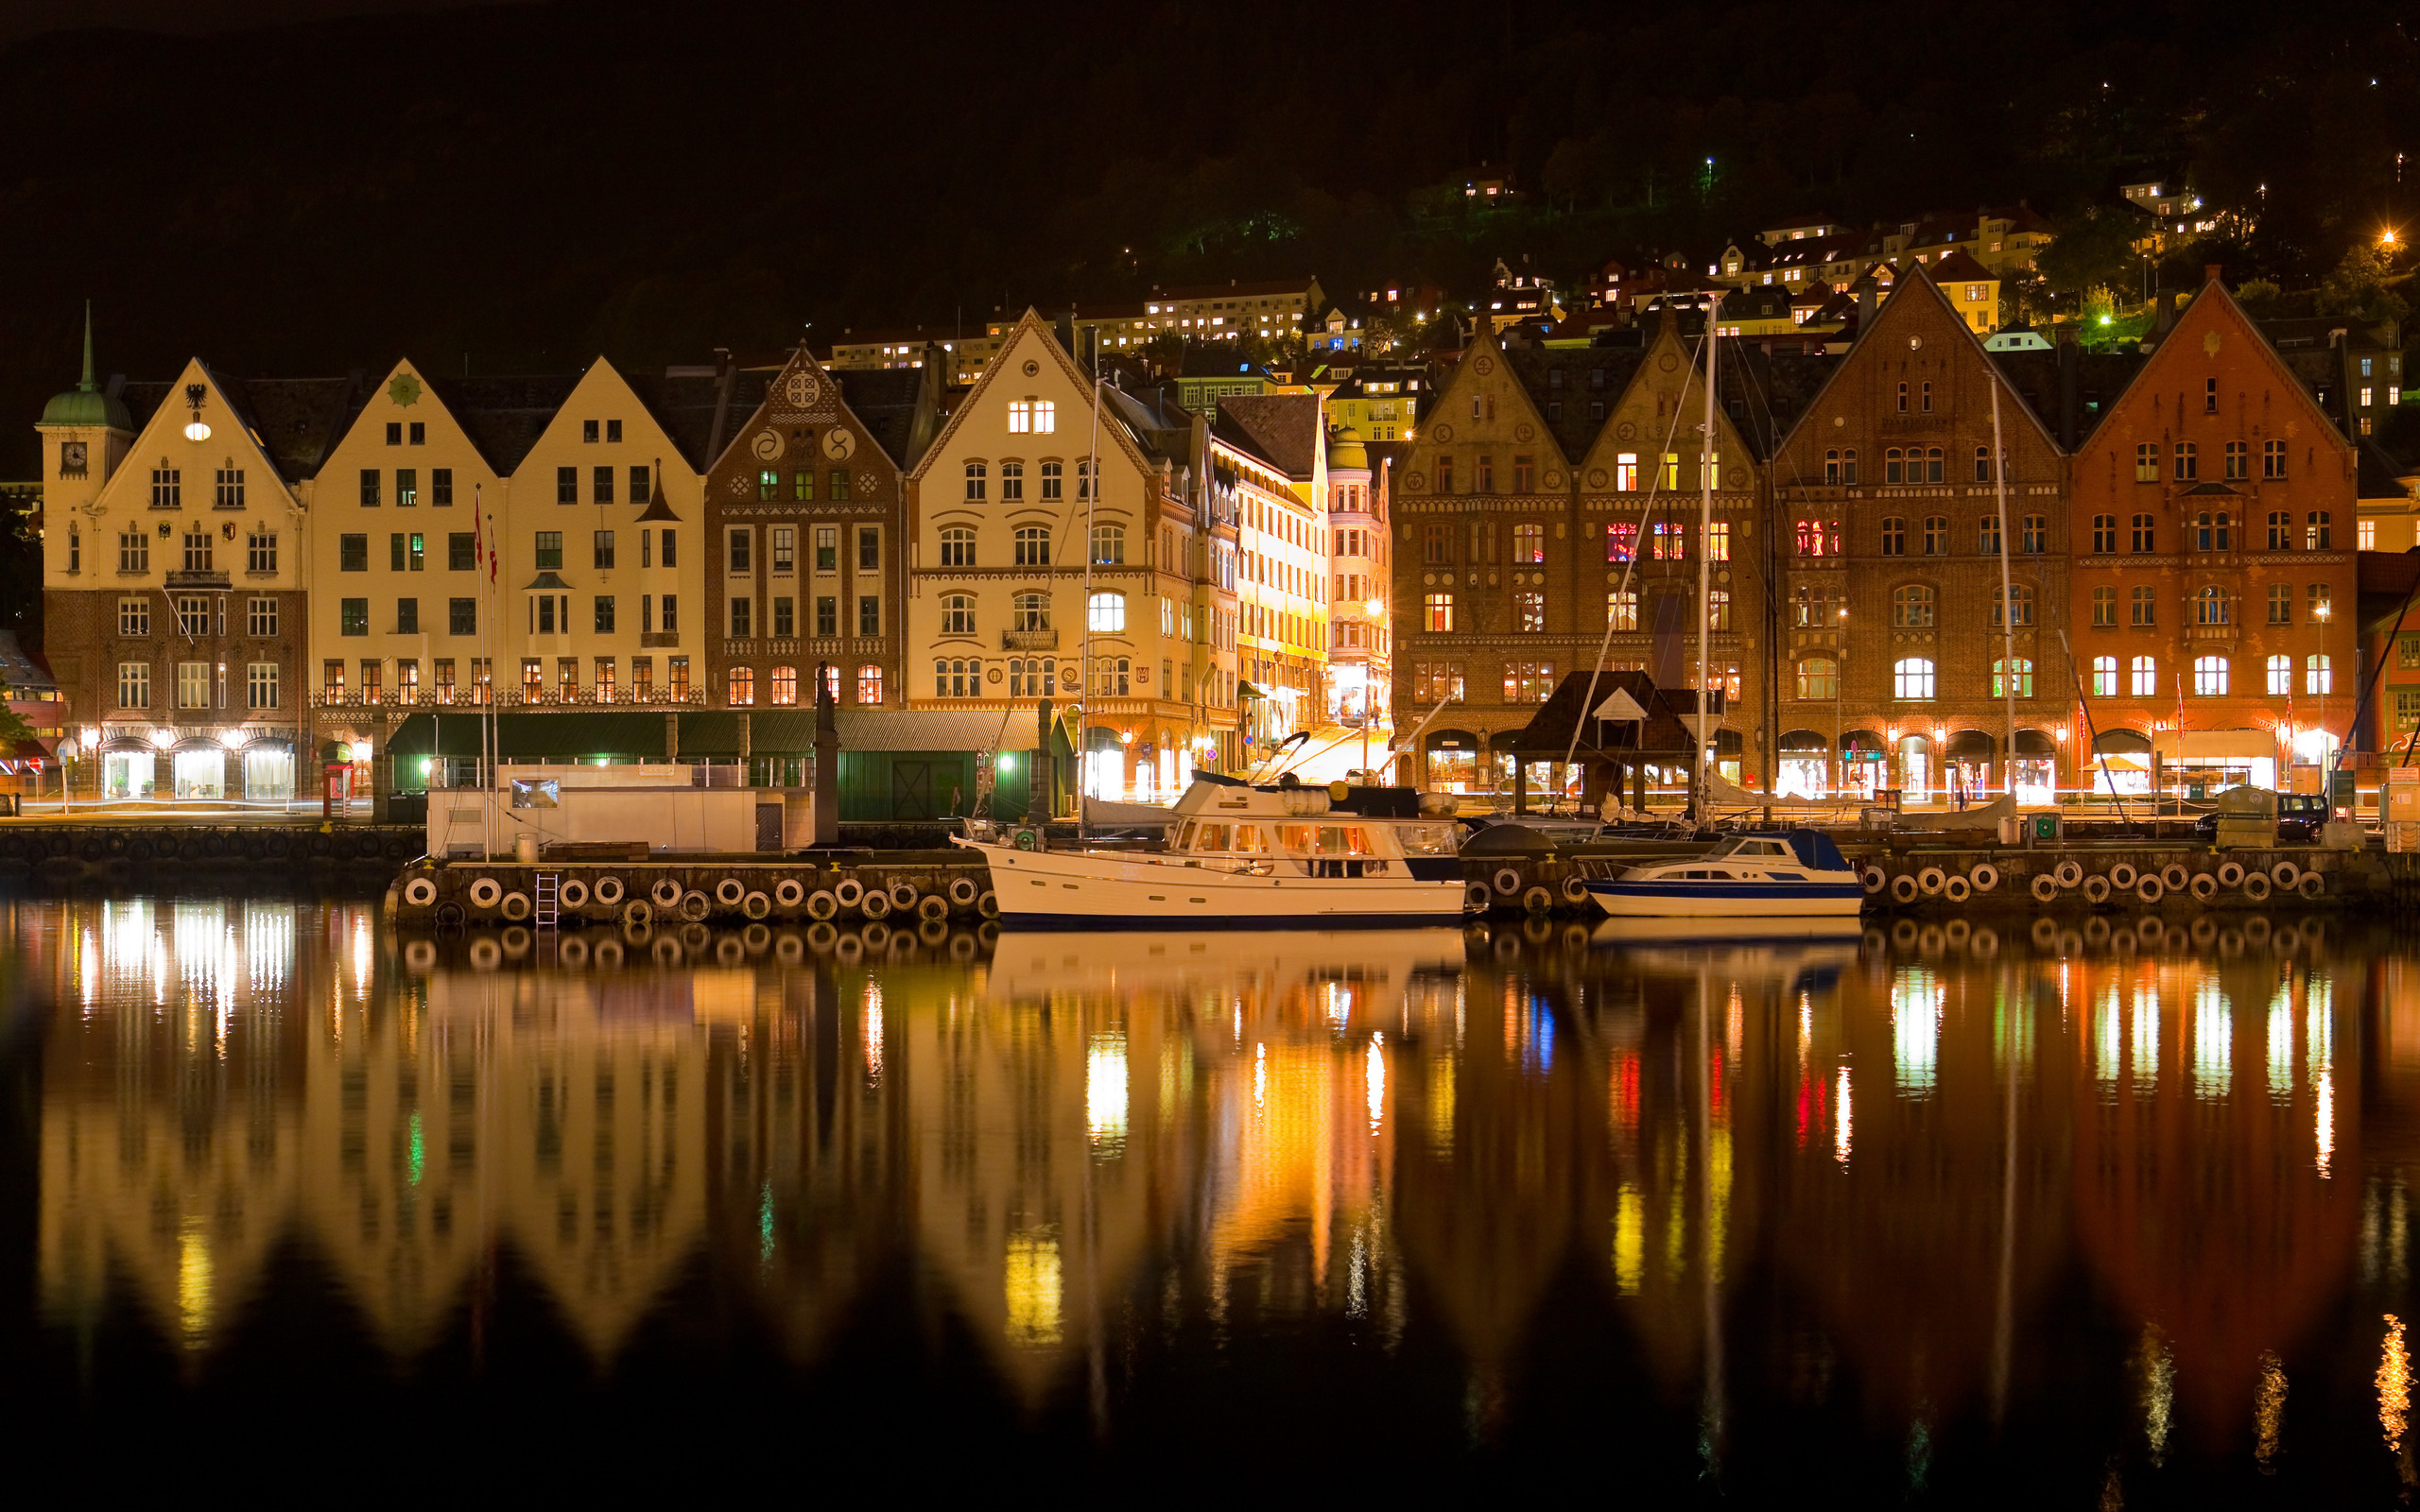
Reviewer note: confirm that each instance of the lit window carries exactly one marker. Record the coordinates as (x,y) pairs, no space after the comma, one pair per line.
(2210,676)
(1108,613)
(1912,678)
(2318,675)
(2143,677)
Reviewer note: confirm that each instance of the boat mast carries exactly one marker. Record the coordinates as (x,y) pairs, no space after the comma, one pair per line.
(1707,461)
(2008,610)
(1091,674)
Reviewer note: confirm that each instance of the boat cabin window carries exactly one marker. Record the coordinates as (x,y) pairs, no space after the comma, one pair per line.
(1183,840)
(1323,839)
(1428,839)
(1755,848)
(1249,840)
(1211,837)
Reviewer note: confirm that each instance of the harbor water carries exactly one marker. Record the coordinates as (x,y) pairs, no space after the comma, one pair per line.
(1954,1218)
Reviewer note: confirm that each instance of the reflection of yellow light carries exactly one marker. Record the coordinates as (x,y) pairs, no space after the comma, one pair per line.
(1842,1128)
(1375,1081)
(2394,1385)
(2156,1369)
(1033,1287)
(1630,1241)
(1105,1091)
(193,1283)
(1441,1103)
(2267,1407)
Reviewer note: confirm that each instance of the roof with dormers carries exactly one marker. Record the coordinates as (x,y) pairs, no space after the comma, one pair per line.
(298,422)
(1282,430)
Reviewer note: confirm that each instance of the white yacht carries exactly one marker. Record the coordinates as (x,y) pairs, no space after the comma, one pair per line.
(1800,874)
(1239,855)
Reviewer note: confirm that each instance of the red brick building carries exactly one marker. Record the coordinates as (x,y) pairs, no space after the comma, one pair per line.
(2214,593)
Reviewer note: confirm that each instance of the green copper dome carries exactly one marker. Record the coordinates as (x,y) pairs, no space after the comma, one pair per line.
(1346,449)
(85,404)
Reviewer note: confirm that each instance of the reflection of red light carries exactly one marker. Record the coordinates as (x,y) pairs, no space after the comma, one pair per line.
(1803,1111)
(1713,1083)
(1626,1091)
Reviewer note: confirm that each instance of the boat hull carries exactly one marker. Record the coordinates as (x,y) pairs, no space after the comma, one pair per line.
(1728,900)
(1086,889)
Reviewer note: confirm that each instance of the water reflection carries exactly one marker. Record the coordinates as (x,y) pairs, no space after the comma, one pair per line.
(1909,1190)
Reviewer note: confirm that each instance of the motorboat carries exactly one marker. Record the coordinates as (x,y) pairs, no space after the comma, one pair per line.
(1239,855)
(1795,874)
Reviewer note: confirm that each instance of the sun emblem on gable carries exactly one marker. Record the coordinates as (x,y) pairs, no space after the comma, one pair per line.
(799,388)
(404,390)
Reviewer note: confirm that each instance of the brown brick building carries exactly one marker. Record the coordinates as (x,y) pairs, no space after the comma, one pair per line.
(2214,590)
(1891,571)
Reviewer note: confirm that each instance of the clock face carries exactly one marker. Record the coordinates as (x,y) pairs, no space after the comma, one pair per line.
(839,443)
(71,456)
(768,444)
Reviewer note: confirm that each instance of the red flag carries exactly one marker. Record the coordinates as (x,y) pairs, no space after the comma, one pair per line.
(478,542)
(491,555)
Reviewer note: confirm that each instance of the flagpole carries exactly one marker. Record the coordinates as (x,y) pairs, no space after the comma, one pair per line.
(1707,461)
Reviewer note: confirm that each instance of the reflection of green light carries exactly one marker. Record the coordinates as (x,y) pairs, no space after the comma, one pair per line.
(418,1155)
(765,1223)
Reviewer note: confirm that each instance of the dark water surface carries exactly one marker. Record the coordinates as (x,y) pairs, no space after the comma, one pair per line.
(1959,1220)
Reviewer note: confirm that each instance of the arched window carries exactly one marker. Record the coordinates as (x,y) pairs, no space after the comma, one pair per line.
(2147,462)
(1819,676)
(2318,675)
(958,546)
(957,678)
(2281,676)
(2024,671)
(1528,543)
(1108,613)
(974,480)
(1011,482)
(785,686)
(1109,545)
(1894,536)
(1912,678)
(2144,533)
(1832,467)
(1051,481)
(2281,530)
(1621,609)
(1932,454)
(1848,467)
(2020,605)
(1032,546)
(1987,536)
(870,684)
(957,615)
(2143,677)
(1911,607)
(2317,535)
(1982,464)
(2210,676)
(2213,605)
(1030,612)
(2104,677)
(743,687)
(1894,467)
(2189,461)
(2238,461)
(1717,607)
(2104,534)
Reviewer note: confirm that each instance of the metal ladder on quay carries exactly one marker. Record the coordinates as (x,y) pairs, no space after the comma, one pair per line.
(546,892)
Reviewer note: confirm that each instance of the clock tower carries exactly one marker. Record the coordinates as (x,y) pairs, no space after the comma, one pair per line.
(85,433)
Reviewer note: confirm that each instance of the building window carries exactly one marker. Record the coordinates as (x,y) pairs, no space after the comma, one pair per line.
(1819,677)
(1011,482)
(1528,543)
(2143,677)
(1109,545)
(785,617)
(2022,670)
(2036,537)
(2209,396)
(1529,613)
(1528,681)
(2147,462)
(566,485)
(1818,538)
(407,616)
(2189,461)
(2365,535)
(2317,532)
(1032,546)
(600,550)
(2281,530)
(1434,546)
(869,615)
(2143,536)
(785,686)
(2104,677)
(549,549)
(769,486)
(407,488)
(167,487)
(197,551)
(604,616)
(2318,603)
(742,616)
(260,617)
(958,546)
(2209,677)
(133,616)
(1718,541)
(1621,609)
(1622,540)
(2211,531)
(1832,468)
(1717,610)
(192,684)
(2238,461)
(1894,536)
(441,487)
(1436,682)
(743,686)
(227,489)
(959,678)
(1911,607)
(193,617)
(2142,613)
(974,480)
(869,548)
(2104,534)
(260,685)
(1525,475)
(2020,605)
(1108,613)
(2281,676)
(2213,605)
(135,685)
(353,617)
(1912,678)
(2273,459)
(1893,467)
(1439,610)
(2318,675)
(1987,535)
(869,684)
(827,615)
(461,616)
(2281,604)
(1051,481)
(742,541)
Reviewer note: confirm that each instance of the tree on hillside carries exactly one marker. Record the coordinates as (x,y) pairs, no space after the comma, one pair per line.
(2358,286)
(2093,250)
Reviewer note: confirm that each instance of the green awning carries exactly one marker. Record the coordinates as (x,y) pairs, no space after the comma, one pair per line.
(582,735)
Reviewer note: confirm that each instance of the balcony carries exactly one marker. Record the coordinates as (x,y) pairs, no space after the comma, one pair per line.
(1029,640)
(196,580)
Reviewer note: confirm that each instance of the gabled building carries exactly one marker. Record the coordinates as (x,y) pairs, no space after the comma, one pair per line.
(2215,586)
(172,575)
(807,512)
(1360,634)
(1269,455)
(1012,559)
(1892,655)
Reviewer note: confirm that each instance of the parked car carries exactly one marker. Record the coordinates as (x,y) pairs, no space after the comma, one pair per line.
(2300,817)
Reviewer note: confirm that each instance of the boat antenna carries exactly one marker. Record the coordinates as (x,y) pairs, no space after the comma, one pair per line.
(1091,674)
(1708,462)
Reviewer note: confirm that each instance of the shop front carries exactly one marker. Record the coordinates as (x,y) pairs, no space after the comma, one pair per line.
(1864,764)
(130,770)
(2037,769)
(2195,765)
(1804,769)
(1449,759)
(2121,764)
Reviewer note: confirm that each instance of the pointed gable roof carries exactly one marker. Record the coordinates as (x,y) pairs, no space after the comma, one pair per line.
(1030,329)
(287,426)
(2213,315)
(803,391)
(1281,429)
